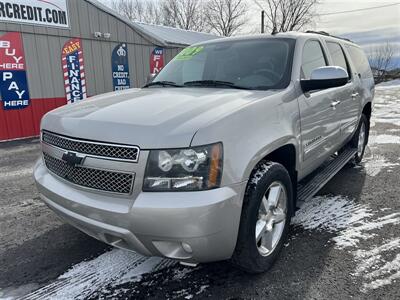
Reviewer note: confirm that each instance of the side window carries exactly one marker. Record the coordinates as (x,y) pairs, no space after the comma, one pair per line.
(360,61)
(338,57)
(313,58)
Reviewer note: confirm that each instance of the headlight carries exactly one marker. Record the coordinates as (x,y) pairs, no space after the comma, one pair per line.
(192,169)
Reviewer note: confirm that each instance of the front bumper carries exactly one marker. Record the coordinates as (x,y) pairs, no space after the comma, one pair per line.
(188,226)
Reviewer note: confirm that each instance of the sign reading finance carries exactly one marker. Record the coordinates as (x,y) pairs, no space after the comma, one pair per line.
(120,68)
(74,71)
(35,12)
(156,60)
(13,84)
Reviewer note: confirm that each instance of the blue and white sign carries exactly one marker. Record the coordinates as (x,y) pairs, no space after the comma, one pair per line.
(14,89)
(120,68)
(13,83)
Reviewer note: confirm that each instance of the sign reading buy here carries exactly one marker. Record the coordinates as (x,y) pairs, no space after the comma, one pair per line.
(13,84)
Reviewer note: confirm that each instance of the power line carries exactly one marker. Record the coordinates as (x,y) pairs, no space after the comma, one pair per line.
(360,9)
(258,4)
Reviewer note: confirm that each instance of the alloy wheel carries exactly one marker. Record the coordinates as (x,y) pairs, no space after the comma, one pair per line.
(271,218)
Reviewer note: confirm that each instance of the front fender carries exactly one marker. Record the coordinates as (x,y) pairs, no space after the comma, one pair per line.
(251,133)
(268,149)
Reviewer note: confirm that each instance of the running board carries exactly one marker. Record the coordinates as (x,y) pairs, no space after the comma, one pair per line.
(309,187)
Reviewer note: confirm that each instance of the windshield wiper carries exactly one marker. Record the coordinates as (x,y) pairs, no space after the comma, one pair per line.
(162,83)
(214,83)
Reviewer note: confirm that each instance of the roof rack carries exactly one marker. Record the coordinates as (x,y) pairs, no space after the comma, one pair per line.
(327,34)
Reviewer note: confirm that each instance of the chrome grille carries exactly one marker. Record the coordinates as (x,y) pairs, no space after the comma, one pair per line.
(103,180)
(120,152)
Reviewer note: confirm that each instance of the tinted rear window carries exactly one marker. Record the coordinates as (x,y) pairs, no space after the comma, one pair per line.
(360,61)
(338,57)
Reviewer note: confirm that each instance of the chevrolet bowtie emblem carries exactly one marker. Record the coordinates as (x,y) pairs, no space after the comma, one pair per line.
(72,159)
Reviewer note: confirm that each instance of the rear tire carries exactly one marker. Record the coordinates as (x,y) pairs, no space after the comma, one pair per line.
(265,220)
(360,140)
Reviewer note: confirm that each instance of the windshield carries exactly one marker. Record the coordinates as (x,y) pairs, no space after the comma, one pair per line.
(249,64)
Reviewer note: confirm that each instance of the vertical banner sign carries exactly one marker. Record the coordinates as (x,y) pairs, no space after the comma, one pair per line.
(13,84)
(156,60)
(120,68)
(74,71)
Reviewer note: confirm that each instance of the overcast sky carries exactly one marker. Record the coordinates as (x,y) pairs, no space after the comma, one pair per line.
(380,23)
(366,26)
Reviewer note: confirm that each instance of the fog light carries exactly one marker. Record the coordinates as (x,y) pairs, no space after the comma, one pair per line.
(187,248)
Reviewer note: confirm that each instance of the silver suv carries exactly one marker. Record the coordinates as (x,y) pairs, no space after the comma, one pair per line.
(209,161)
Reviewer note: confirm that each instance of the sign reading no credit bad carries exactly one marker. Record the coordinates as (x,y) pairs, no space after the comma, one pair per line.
(120,67)
(52,13)
(74,71)
(13,84)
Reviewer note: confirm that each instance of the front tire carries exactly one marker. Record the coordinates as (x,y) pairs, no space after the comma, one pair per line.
(265,220)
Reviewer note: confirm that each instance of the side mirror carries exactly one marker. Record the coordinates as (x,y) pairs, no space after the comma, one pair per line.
(150,77)
(325,78)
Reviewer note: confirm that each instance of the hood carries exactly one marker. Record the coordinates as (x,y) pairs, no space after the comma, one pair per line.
(148,118)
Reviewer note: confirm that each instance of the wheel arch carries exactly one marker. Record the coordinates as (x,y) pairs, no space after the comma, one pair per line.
(367,110)
(287,155)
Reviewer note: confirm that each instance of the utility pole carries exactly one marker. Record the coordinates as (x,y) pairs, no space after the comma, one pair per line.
(263,21)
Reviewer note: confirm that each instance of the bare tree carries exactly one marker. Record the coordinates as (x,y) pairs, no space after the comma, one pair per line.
(185,14)
(139,10)
(381,60)
(287,15)
(226,17)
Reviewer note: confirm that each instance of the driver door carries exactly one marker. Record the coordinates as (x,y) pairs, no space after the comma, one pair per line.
(320,126)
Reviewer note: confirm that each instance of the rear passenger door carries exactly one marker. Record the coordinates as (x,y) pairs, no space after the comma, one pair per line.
(348,97)
(320,127)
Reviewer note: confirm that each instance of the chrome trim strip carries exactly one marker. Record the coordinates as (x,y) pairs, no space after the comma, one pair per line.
(90,161)
(309,148)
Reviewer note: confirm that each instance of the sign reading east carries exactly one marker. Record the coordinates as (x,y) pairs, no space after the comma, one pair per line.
(35,12)
(13,83)
(74,70)
(120,67)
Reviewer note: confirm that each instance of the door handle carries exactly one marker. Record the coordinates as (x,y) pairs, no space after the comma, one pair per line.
(355,95)
(335,103)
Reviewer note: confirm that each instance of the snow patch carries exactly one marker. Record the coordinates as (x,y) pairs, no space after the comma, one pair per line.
(107,270)
(261,171)
(388,84)
(332,214)
(375,165)
(353,222)
(376,270)
(384,139)
(386,106)
(337,214)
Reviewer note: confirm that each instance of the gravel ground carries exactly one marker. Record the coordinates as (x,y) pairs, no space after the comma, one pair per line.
(345,243)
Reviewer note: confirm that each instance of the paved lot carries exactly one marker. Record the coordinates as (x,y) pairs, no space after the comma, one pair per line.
(345,243)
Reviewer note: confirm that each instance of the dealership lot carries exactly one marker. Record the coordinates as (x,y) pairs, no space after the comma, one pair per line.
(345,243)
